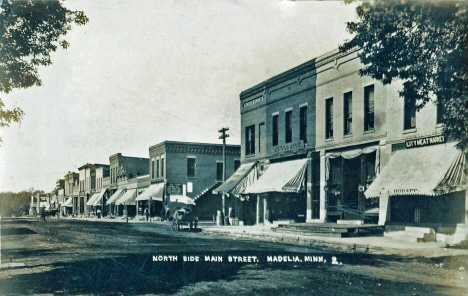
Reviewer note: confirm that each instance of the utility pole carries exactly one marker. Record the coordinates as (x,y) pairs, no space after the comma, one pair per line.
(223,136)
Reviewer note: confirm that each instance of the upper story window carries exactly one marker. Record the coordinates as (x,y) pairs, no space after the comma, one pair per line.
(219,171)
(162,167)
(369,108)
(348,113)
(288,127)
(275,129)
(152,169)
(157,168)
(250,140)
(191,163)
(409,113)
(261,134)
(329,118)
(303,124)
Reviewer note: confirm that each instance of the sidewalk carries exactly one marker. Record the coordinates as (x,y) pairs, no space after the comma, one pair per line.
(364,244)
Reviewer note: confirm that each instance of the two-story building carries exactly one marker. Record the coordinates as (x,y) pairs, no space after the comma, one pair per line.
(321,143)
(184,174)
(128,176)
(71,186)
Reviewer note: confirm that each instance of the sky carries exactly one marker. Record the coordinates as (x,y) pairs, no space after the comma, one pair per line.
(142,72)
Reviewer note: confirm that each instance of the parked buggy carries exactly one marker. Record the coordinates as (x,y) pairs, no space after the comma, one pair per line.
(183,219)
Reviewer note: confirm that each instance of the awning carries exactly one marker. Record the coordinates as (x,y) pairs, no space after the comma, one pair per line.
(287,176)
(430,170)
(155,191)
(115,196)
(182,199)
(128,198)
(235,179)
(68,202)
(100,195)
(201,193)
(92,199)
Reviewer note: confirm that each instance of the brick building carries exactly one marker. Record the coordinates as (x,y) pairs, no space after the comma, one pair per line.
(320,143)
(183,169)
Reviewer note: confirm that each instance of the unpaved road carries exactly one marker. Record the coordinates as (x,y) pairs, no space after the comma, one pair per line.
(72,257)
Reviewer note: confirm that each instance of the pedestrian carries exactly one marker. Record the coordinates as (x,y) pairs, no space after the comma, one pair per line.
(43,214)
(99,214)
(147,214)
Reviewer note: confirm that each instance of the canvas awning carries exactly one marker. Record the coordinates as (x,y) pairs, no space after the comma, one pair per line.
(430,170)
(155,191)
(182,199)
(98,200)
(68,202)
(287,176)
(92,199)
(128,198)
(235,179)
(115,196)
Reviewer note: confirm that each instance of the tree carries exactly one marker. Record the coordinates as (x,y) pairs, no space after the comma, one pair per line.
(29,31)
(425,45)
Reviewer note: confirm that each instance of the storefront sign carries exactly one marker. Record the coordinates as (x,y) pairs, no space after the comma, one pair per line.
(252,102)
(173,188)
(289,147)
(407,191)
(425,141)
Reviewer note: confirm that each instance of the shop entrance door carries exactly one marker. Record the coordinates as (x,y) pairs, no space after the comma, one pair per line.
(350,194)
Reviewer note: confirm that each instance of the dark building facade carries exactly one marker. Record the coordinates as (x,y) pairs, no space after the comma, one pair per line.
(180,170)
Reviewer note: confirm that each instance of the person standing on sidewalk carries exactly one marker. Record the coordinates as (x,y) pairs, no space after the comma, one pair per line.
(147,214)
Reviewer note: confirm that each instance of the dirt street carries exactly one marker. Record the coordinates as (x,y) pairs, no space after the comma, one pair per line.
(73,257)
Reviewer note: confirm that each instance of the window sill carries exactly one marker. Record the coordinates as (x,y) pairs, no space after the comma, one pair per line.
(371,131)
(409,131)
(347,136)
(329,139)
(439,125)
(249,156)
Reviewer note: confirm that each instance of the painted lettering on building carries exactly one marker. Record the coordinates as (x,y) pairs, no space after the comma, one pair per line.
(425,141)
(289,147)
(252,102)
(400,191)
(173,188)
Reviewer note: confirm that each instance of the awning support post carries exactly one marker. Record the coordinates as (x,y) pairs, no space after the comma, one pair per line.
(384,209)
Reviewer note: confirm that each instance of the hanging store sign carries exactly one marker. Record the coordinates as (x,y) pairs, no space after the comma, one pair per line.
(289,147)
(252,102)
(173,188)
(425,141)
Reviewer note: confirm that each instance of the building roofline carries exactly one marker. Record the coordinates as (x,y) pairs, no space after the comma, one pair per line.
(193,143)
(304,67)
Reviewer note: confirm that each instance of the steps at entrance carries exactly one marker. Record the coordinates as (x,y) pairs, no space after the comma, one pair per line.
(329,229)
(460,236)
(413,234)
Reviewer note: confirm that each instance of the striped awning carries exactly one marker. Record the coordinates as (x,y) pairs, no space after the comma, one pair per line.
(68,202)
(287,176)
(235,179)
(155,191)
(201,193)
(115,196)
(128,198)
(431,170)
(99,198)
(92,199)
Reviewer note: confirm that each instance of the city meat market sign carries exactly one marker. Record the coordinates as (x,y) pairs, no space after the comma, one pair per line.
(252,102)
(425,141)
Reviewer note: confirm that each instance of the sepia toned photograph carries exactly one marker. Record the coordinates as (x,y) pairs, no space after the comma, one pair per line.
(233,147)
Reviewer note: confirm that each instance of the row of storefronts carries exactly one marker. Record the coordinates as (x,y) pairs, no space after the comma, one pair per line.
(322,144)
(176,175)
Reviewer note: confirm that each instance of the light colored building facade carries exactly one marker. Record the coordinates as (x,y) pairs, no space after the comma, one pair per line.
(333,132)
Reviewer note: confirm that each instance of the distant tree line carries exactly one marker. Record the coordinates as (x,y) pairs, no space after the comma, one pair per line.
(14,204)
